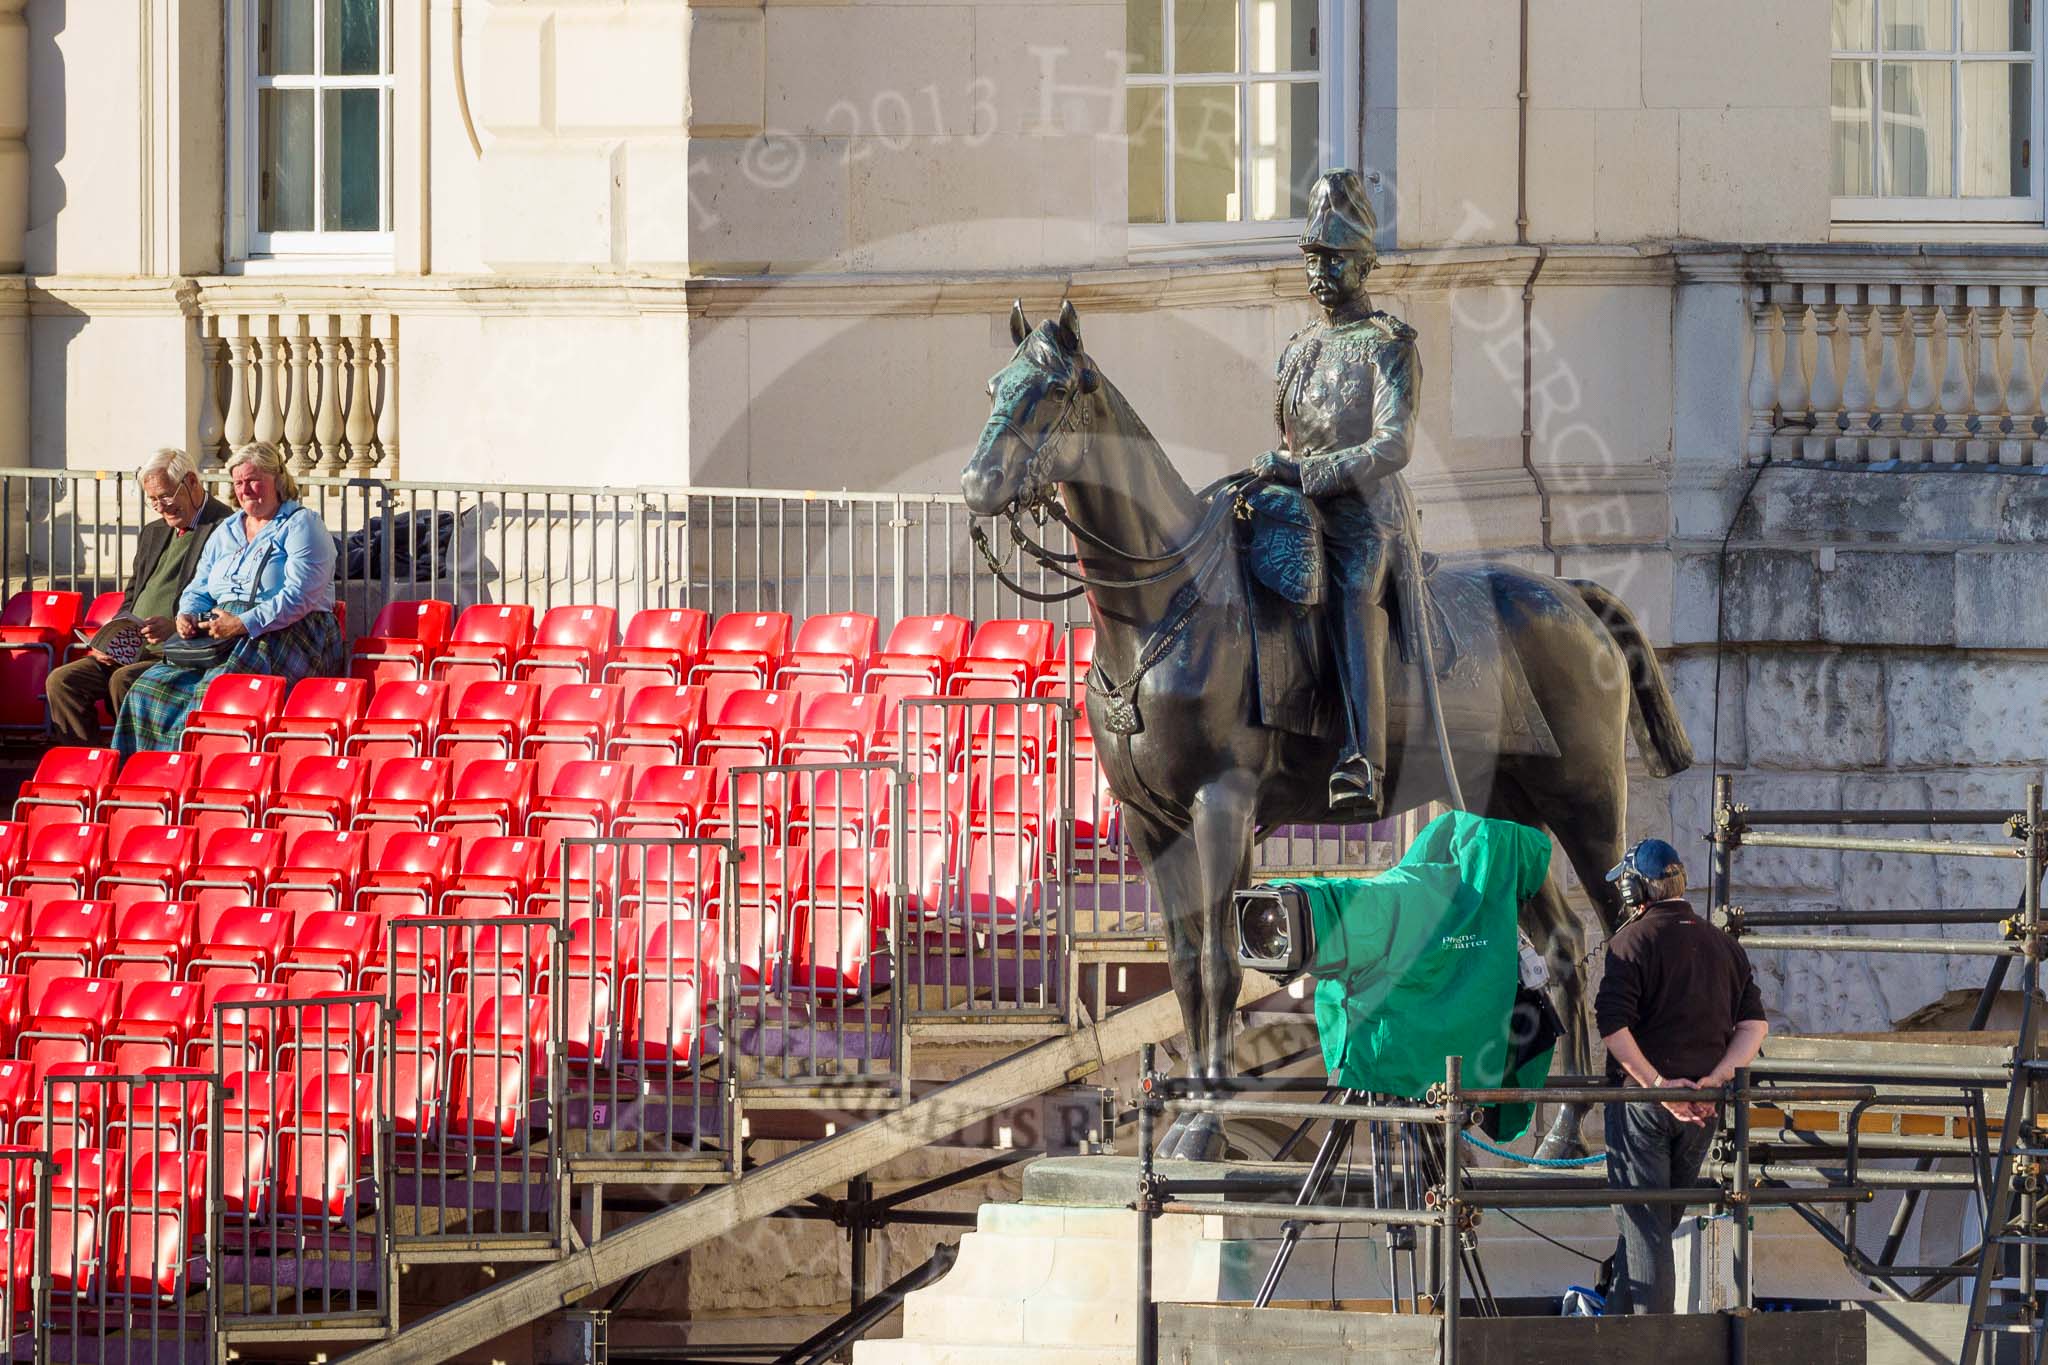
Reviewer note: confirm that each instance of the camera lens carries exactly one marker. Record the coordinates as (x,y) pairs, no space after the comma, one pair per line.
(1264,928)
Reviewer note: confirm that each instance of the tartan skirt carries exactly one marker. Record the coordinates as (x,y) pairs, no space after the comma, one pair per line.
(154,711)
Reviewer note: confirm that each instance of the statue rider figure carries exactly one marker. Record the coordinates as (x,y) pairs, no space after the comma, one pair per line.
(1346,400)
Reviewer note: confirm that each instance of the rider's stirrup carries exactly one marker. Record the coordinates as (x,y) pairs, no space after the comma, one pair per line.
(1357,789)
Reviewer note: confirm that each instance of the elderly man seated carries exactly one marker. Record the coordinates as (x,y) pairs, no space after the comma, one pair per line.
(166,556)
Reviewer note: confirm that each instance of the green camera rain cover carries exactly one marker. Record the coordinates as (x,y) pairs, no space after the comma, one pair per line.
(1421,963)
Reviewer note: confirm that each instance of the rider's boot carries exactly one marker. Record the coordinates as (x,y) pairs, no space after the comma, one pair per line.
(1358,785)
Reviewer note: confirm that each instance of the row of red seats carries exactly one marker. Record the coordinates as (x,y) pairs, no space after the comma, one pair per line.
(415,641)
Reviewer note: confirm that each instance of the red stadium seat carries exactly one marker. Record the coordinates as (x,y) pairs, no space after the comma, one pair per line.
(244,944)
(756,806)
(1066,673)
(68,786)
(746,642)
(321,871)
(233,791)
(755,721)
(660,725)
(835,944)
(669,799)
(322,792)
(490,798)
(404,639)
(329,951)
(410,875)
(573,644)
(234,868)
(1004,881)
(920,729)
(151,862)
(35,631)
(836,646)
(488,640)
(927,647)
(61,863)
(405,794)
(586,797)
(1013,651)
(836,727)
(402,722)
(13,848)
(234,715)
(318,718)
(498,873)
(672,882)
(576,722)
(490,722)
(76,933)
(69,1022)
(662,644)
(14,920)
(153,940)
(842,807)
(149,791)
(162,1016)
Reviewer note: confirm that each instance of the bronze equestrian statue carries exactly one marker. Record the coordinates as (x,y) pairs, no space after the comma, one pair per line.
(1345,406)
(1543,681)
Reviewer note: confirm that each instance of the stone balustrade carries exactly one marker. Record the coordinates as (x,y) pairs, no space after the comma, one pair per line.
(1938,370)
(322,387)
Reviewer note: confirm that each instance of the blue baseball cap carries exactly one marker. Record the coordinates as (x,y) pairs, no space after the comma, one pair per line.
(1651,859)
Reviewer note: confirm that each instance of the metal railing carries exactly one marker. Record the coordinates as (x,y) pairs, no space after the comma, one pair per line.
(888,554)
(641,1070)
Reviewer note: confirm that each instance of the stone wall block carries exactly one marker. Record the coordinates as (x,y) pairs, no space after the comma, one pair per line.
(727,86)
(773,201)
(1767,595)
(1953,711)
(1889,599)
(1998,599)
(1692,683)
(620,70)
(512,94)
(1881,881)
(1758,871)
(549,204)
(1966,883)
(1817,990)
(1815,710)
(1752,175)
(1828,507)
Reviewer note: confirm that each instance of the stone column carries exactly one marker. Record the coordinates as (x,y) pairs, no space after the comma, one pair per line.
(13,134)
(13,231)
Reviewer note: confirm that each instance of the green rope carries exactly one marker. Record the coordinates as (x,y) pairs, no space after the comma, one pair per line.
(1548,1163)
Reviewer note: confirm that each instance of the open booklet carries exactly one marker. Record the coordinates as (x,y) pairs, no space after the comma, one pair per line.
(120,639)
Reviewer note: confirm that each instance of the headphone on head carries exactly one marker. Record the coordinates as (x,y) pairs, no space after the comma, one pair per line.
(1650,860)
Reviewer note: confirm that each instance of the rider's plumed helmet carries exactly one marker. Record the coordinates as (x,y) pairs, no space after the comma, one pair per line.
(1340,216)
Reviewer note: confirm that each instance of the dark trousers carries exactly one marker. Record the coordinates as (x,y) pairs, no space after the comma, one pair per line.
(75,691)
(1649,1149)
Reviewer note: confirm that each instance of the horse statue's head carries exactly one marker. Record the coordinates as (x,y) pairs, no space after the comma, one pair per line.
(1043,399)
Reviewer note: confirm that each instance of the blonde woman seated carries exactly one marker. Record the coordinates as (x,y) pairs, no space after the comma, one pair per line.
(262,597)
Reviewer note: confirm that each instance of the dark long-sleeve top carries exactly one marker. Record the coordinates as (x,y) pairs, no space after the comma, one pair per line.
(1679,986)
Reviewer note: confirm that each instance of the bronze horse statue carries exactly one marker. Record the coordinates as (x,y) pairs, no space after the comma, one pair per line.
(1200,777)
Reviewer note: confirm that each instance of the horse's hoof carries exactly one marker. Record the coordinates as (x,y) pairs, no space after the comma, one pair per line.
(1561,1147)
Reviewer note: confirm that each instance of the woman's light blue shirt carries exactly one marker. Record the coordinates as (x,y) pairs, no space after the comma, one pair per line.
(287,570)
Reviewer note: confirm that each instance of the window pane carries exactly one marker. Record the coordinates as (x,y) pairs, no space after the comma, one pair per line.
(1851,142)
(1997,114)
(284,37)
(1205,154)
(1851,26)
(1205,35)
(1283,35)
(1918,26)
(284,134)
(1284,121)
(1143,36)
(349,181)
(1145,117)
(1916,129)
(1998,25)
(352,27)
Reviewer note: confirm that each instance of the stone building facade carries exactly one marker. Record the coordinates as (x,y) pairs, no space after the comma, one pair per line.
(772,243)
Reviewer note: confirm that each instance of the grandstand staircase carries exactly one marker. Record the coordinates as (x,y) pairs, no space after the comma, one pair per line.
(1073,1055)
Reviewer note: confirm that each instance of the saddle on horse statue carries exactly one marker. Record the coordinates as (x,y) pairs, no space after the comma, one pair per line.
(1288,581)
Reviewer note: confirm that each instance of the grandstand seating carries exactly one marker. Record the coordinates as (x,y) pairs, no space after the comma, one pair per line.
(188,914)
(35,632)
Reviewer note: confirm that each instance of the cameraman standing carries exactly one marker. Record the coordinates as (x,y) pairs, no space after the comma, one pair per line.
(1678,1007)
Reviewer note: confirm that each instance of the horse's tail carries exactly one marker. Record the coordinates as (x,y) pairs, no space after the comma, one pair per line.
(1652,714)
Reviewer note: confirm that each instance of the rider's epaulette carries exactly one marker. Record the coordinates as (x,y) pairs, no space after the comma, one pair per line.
(1390,326)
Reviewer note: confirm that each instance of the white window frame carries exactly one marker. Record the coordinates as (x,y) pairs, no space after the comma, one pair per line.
(1337,108)
(250,249)
(2028,209)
